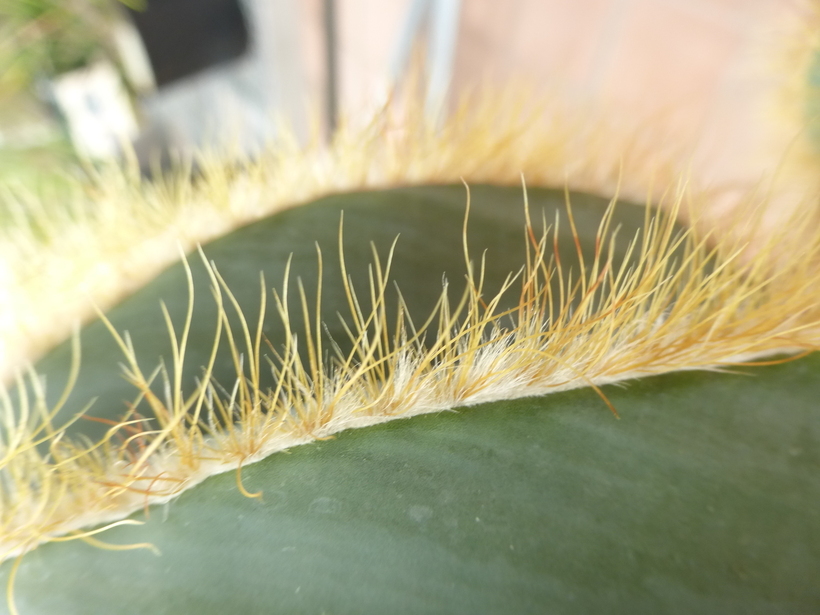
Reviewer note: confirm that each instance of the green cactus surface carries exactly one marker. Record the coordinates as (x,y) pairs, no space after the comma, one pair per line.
(700,496)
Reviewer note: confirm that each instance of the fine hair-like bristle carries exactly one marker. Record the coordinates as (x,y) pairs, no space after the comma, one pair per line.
(106,238)
(681,300)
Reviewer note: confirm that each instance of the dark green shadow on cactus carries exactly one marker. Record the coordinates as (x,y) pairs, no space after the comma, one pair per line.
(701,499)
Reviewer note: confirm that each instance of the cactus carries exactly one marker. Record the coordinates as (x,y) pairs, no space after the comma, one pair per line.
(699,498)
(368,387)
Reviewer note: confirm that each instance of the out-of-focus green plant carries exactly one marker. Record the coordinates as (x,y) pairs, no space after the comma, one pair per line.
(40,39)
(49,37)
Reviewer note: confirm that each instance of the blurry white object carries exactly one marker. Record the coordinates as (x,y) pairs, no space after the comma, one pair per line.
(235,106)
(97,110)
(440,19)
(134,56)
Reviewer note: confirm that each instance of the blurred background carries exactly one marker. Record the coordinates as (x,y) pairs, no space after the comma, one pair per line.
(84,80)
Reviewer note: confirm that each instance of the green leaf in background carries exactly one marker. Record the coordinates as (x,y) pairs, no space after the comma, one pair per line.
(49,37)
(702,498)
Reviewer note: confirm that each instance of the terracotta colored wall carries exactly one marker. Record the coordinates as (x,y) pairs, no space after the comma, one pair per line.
(696,67)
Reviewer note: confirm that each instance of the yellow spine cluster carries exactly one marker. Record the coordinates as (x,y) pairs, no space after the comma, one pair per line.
(680,300)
